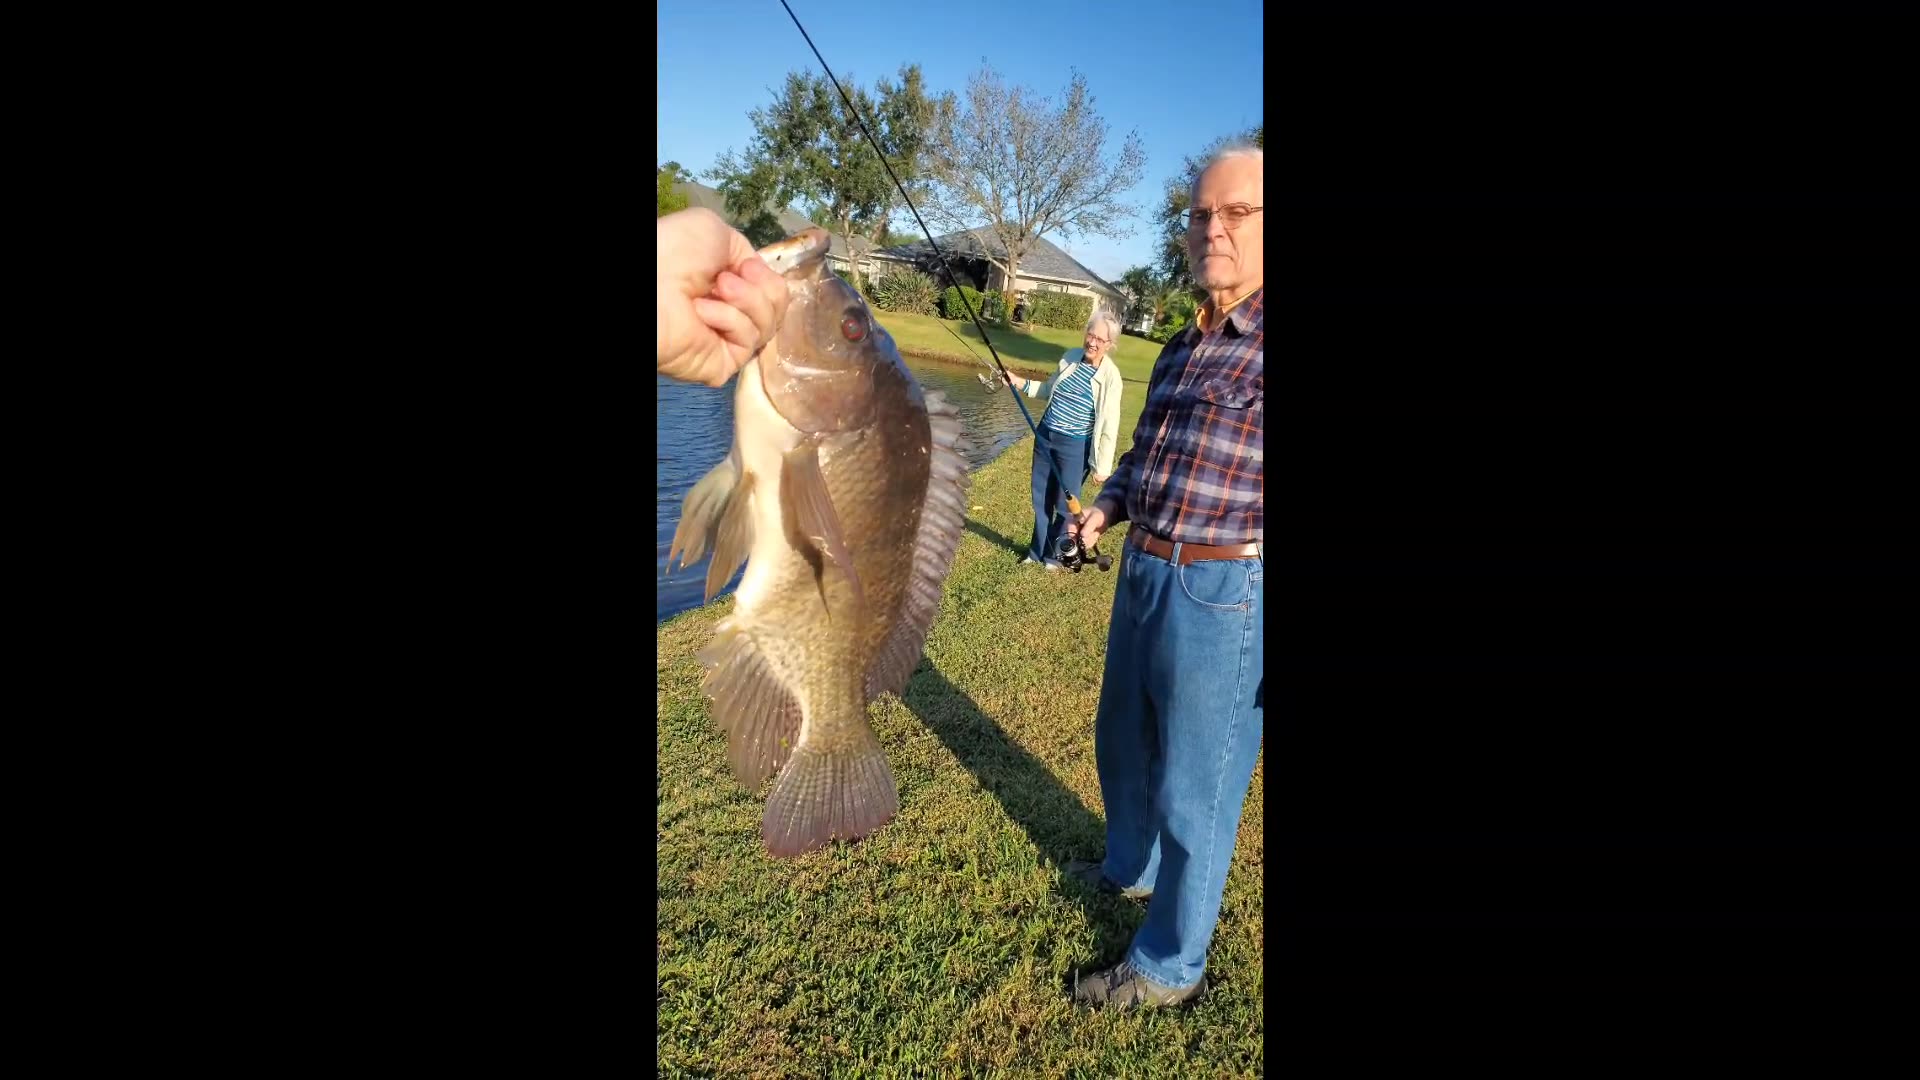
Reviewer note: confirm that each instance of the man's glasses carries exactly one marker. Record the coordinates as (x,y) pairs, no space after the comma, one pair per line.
(1231,216)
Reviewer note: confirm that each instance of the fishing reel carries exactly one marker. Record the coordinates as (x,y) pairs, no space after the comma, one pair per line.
(991,382)
(1073,556)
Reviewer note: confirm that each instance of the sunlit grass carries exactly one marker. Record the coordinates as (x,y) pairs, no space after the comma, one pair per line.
(943,944)
(1028,349)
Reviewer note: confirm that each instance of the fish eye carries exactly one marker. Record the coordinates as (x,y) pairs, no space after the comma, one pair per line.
(853,328)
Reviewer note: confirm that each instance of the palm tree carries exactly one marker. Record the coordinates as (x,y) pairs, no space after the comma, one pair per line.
(1148,293)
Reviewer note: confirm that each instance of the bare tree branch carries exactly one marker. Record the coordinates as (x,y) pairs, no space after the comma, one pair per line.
(1011,164)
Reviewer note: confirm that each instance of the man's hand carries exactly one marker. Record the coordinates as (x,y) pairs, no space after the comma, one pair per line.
(719,303)
(1093,521)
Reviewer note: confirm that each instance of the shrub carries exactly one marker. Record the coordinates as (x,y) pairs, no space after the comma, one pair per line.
(667,199)
(993,305)
(950,302)
(1165,331)
(1067,311)
(907,291)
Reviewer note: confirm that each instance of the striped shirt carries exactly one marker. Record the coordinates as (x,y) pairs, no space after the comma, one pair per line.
(1194,474)
(1070,407)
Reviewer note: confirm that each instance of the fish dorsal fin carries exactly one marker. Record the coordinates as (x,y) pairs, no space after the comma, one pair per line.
(803,484)
(760,717)
(943,518)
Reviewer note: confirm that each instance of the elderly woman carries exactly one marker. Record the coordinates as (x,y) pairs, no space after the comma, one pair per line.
(1076,435)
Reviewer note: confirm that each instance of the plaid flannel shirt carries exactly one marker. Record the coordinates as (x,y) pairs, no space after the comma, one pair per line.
(1193,474)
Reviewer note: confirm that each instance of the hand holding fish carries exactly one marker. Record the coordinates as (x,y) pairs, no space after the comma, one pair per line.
(718,301)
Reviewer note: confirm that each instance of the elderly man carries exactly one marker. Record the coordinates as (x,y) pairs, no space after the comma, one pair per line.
(1076,435)
(1181,713)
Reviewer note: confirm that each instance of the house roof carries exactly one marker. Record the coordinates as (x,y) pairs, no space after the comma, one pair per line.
(1043,259)
(702,195)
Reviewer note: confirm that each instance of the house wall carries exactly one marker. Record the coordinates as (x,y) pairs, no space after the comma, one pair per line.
(871,267)
(998,280)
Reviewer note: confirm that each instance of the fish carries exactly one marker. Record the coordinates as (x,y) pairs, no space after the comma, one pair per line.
(844,494)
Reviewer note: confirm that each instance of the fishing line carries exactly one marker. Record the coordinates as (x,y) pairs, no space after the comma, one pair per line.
(1073,502)
(858,119)
(976,356)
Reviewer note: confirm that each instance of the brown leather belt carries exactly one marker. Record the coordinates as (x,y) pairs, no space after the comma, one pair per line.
(1189,553)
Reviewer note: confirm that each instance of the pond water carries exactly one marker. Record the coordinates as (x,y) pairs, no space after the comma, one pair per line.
(696,431)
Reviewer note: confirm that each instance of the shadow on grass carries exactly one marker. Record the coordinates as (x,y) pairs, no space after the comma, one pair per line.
(1018,547)
(1057,823)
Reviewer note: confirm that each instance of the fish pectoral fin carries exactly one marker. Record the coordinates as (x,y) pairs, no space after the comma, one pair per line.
(822,795)
(804,483)
(700,513)
(734,536)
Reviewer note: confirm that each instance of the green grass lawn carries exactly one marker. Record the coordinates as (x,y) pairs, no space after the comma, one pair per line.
(944,943)
(1032,349)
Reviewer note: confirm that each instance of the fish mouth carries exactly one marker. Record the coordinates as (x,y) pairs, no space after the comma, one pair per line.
(796,251)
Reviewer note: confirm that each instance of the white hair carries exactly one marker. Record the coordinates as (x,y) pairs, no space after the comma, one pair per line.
(1102,315)
(1231,152)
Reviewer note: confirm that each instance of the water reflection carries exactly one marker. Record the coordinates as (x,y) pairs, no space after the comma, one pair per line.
(696,429)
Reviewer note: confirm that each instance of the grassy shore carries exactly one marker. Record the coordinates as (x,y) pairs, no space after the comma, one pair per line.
(944,943)
(1030,349)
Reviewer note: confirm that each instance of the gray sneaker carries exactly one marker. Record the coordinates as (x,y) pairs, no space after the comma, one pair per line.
(1122,987)
(1091,875)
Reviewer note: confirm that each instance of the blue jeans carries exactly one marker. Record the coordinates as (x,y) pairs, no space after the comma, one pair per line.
(1175,741)
(1067,455)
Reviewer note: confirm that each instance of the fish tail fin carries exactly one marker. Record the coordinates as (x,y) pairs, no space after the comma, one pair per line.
(824,794)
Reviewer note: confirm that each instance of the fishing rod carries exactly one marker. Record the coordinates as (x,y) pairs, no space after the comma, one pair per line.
(1069,546)
(984,381)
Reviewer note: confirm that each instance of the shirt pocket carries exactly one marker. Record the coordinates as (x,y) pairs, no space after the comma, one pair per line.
(1221,392)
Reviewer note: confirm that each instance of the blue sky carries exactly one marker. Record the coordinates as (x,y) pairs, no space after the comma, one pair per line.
(1146,69)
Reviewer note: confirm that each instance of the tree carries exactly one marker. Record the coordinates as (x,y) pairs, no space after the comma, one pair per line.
(823,217)
(806,145)
(1013,164)
(1172,260)
(669,200)
(1150,293)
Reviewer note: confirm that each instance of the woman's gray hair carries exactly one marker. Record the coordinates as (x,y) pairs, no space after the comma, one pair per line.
(1102,315)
